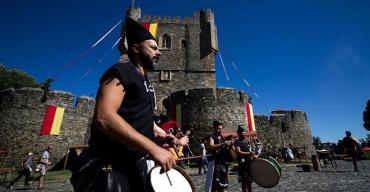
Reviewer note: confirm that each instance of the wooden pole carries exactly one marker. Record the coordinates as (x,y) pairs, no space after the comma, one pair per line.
(65,161)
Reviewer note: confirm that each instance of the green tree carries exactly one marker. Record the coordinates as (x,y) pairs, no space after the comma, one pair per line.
(317,142)
(366,116)
(15,78)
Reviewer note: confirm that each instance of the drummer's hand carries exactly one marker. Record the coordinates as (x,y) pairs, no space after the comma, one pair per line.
(166,140)
(253,155)
(183,141)
(228,143)
(163,158)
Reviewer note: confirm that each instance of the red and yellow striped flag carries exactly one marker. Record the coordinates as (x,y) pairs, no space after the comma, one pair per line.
(151,27)
(53,120)
(250,117)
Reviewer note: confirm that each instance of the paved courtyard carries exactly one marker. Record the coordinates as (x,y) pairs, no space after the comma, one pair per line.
(341,178)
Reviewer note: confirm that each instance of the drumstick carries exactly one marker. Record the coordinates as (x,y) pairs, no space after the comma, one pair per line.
(194,157)
(168,178)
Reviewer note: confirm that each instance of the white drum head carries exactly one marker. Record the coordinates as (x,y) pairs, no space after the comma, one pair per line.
(264,173)
(176,181)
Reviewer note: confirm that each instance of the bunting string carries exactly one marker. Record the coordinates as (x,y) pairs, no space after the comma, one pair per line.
(223,66)
(100,60)
(84,53)
(249,86)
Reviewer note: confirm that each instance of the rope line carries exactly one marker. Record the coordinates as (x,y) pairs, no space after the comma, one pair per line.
(83,54)
(100,60)
(249,86)
(223,66)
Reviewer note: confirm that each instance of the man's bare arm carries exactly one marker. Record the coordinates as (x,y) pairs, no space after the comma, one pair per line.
(110,96)
(211,144)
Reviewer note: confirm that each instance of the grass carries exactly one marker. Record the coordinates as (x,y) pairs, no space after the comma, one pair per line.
(50,176)
(57,175)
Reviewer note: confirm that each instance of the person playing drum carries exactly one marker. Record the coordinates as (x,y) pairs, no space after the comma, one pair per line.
(245,156)
(123,131)
(218,147)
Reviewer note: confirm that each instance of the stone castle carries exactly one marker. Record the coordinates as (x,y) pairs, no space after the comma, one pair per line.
(185,77)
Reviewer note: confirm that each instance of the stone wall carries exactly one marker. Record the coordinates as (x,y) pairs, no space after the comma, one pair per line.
(22,114)
(200,107)
(284,127)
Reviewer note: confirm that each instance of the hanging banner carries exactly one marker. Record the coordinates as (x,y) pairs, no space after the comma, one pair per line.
(151,27)
(250,117)
(53,120)
(178,114)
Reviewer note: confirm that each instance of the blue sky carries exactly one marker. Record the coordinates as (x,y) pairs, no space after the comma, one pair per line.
(311,55)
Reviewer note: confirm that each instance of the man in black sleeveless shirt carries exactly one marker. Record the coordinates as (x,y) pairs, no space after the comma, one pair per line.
(245,156)
(217,146)
(123,131)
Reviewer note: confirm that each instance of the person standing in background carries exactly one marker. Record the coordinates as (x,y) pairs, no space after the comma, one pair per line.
(351,146)
(245,156)
(44,163)
(218,147)
(27,165)
(204,161)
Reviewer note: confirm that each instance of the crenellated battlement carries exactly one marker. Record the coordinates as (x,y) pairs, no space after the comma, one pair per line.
(205,15)
(209,94)
(170,20)
(291,115)
(33,97)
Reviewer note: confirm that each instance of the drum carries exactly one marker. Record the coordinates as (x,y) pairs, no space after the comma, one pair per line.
(275,162)
(266,172)
(173,180)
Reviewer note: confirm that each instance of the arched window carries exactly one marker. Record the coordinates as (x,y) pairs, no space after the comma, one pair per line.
(166,41)
(183,44)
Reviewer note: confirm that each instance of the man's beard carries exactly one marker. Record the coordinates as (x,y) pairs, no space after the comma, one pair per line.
(148,63)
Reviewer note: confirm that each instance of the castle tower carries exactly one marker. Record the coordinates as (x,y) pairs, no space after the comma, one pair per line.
(198,108)
(285,127)
(188,46)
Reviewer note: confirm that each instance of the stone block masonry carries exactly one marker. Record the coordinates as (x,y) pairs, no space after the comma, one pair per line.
(22,114)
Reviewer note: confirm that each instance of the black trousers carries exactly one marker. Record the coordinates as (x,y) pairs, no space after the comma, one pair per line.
(353,154)
(25,172)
